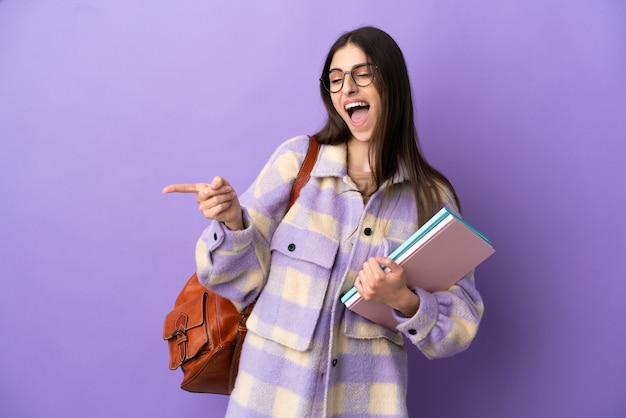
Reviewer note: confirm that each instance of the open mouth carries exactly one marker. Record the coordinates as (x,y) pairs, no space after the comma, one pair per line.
(357,111)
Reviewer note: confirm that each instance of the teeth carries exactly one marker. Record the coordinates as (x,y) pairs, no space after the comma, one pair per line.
(356,104)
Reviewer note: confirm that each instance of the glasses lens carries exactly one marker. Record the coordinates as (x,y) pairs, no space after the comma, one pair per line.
(363,75)
(335,81)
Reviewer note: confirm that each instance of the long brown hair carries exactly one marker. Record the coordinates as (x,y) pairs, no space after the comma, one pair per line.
(394,142)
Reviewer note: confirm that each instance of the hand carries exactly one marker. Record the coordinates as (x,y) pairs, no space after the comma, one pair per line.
(217,201)
(386,285)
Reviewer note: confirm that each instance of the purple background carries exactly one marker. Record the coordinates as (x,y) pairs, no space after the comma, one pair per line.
(102,103)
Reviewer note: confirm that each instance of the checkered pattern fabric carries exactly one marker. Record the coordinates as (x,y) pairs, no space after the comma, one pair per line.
(305,354)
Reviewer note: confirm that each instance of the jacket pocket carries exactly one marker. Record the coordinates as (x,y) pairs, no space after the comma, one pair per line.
(290,304)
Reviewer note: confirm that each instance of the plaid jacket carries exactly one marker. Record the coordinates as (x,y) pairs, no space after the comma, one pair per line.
(306,355)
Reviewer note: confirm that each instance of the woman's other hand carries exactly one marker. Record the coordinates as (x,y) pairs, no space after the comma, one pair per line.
(216,200)
(382,280)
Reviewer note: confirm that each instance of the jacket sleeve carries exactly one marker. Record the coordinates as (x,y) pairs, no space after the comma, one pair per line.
(446,322)
(235,264)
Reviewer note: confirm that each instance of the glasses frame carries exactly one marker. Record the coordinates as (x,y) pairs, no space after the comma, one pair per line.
(325,79)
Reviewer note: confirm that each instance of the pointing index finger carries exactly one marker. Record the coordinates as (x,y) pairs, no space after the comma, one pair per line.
(184,188)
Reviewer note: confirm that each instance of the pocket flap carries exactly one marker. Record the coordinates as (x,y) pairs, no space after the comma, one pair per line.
(186,316)
(184,321)
(305,244)
(355,326)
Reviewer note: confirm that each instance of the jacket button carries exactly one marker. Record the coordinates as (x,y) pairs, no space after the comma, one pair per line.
(291,247)
(368,231)
(334,362)
(215,236)
(412,331)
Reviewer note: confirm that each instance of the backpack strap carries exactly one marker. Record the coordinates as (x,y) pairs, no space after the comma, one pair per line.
(305,170)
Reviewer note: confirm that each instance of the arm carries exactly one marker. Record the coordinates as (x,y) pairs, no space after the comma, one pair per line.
(232,254)
(447,321)
(440,324)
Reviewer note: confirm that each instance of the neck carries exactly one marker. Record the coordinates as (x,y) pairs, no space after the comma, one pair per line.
(358,155)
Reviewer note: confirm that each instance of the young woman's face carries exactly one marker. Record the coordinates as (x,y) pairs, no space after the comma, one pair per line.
(358,106)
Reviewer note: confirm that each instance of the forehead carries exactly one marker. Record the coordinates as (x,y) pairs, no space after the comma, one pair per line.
(347,57)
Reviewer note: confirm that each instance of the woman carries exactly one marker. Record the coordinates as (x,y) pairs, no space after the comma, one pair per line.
(305,355)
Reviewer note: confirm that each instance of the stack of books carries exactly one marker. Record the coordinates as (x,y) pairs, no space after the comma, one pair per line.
(434,258)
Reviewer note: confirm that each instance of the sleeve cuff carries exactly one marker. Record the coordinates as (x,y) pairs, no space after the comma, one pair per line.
(419,326)
(216,235)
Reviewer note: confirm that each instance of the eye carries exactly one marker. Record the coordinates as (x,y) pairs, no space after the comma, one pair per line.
(362,72)
(335,77)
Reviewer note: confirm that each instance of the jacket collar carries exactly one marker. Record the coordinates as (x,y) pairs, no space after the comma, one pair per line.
(331,162)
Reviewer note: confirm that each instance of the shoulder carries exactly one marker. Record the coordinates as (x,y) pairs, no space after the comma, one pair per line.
(297,145)
(448,196)
(330,161)
(290,153)
(284,163)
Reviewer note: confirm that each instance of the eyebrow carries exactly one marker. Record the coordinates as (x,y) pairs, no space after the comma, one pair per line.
(355,65)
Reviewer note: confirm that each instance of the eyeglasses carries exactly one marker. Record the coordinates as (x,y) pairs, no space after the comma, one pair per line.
(361,74)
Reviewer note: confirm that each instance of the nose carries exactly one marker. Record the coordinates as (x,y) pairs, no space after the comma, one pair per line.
(349,86)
